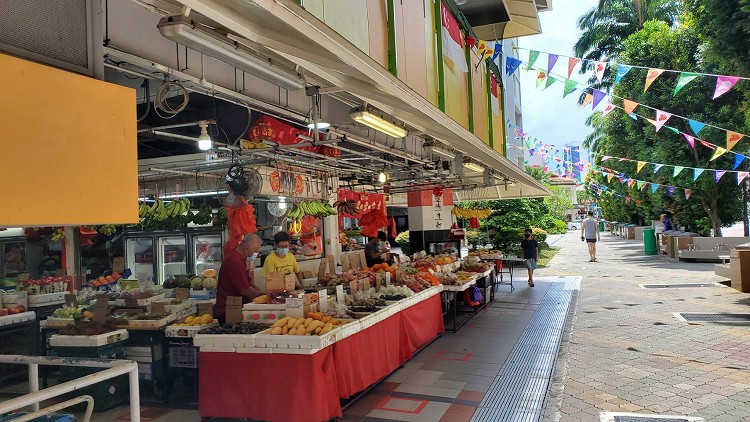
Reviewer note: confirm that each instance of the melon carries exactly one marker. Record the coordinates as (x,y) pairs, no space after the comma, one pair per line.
(183,282)
(196,283)
(209,283)
(209,273)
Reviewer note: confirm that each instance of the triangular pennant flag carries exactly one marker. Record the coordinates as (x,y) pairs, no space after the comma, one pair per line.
(724,84)
(707,144)
(640,166)
(654,188)
(622,70)
(657,167)
(644,185)
(470,41)
(540,77)
(719,152)
(598,96)
(652,121)
(608,109)
(732,139)
(677,170)
(629,106)
(481,48)
(633,116)
(690,140)
(533,54)
(738,159)
(572,62)
(719,174)
(599,68)
(661,118)
(610,176)
(587,100)
(651,77)
(497,52)
(741,175)
(638,201)
(697,173)
(511,64)
(605,158)
(687,194)
(684,79)
(696,126)
(550,81)
(628,199)
(673,129)
(570,86)
(670,190)
(551,60)
(639,184)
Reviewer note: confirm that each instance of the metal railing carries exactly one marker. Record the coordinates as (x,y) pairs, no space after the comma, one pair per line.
(112,369)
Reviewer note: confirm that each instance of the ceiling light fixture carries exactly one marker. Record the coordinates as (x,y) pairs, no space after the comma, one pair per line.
(321,125)
(214,44)
(473,167)
(187,195)
(431,147)
(382,178)
(204,139)
(376,122)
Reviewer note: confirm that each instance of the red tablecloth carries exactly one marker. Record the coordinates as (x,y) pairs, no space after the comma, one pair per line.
(284,387)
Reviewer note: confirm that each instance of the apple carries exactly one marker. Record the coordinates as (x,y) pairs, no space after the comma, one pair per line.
(21,308)
(3,312)
(12,311)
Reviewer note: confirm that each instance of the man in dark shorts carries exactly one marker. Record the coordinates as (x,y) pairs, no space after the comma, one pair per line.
(590,233)
(529,253)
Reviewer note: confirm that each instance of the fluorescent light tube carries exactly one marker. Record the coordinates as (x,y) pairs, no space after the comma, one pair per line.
(186,195)
(473,167)
(378,123)
(211,43)
(441,152)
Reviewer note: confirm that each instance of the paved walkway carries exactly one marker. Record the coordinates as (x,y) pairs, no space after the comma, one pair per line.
(624,350)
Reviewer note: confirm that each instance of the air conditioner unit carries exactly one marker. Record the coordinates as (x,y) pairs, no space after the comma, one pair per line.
(215,44)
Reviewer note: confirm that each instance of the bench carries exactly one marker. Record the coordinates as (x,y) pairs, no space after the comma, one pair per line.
(710,248)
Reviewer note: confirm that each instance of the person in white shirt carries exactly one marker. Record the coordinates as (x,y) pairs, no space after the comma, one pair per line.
(590,233)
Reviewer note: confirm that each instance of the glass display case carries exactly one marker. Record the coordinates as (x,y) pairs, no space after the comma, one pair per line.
(34,253)
(207,250)
(172,256)
(140,258)
(443,247)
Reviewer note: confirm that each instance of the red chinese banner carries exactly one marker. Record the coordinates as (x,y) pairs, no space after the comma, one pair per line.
(372,210)
(273,130)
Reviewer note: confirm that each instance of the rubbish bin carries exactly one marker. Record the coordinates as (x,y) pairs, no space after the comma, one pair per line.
(649,242)
(601,225)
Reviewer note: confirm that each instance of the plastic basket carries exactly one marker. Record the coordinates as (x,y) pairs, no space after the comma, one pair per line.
(183,357)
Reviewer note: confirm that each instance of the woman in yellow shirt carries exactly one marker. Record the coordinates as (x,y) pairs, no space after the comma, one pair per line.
(281,260)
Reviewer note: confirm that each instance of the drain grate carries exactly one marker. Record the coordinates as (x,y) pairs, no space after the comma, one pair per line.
(690,317)
(640,417)
(647,419)
(677,286)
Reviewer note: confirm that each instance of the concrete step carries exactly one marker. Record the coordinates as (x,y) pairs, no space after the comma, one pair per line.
(723,270)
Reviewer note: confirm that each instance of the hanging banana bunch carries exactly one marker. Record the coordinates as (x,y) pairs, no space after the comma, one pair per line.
(317,209)
(160,211)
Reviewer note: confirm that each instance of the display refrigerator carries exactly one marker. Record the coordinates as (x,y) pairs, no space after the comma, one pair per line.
(156,256)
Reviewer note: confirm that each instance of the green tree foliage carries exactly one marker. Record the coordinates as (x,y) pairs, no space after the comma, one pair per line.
(711,205)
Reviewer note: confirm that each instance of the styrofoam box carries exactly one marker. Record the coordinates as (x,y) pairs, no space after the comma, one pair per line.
(279,351)
(350,328)
(16,318)
(185,331)
(143,354)
(192,310)
(224,340)
(266,339)
(265,317)
(52,322)
(142,302)
(88,341)
(259,350)
(151,323)
(46,299)
(209,349)
(173,309)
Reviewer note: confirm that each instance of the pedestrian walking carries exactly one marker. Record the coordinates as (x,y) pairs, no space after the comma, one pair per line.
(529,253)
(590,233)
(667,224)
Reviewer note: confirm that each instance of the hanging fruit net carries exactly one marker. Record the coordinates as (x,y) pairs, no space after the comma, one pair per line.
(372,221)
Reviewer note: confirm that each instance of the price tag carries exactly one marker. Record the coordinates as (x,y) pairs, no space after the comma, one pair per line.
(131,302)
(362,259)
(331,265)
(340,294)
(290,281)
(364,284)
(206,308)
(354,286)
(378,281)
(323,300)
(275,281)
(71,300)
(234,309)
(354,261)
(100,315)
(182,293)
(345,265)
(295,307)
(387,279)
(158,308)
(322,268)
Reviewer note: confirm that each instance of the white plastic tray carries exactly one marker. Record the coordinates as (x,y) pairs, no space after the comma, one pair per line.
(224,340)
(264,307)
(57,322)
(142,302)
(185,331)
(149,324)
(266,339)
(16,318)
(46,299)
(88,341)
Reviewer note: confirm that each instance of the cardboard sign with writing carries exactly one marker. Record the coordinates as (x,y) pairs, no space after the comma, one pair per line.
(387,279)
(354,286)
(331,265)
(295,307)
(322,268)
(158,308)
(206,308)
(100,310)
(118,264)
(345,265)
(340,294)
(364,284)
(71,300)
(290,280)
(354,262)
(182,293)
(362,259)
(275,281)
(323,300)
(234,309)
(131,302)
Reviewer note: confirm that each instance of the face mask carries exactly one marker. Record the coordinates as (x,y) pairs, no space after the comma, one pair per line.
(282,251)
(252,257)
(528,235)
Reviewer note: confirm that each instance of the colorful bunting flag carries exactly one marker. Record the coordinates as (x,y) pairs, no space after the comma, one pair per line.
(551,60)
(533,55)
(598,96)
(707,144)
(651,77)
(599,68)
(452,40)
(511,64)
(677,170)
(719,174)
(633,116)
(640,166)
(687,194)
(495,96)
(696,126)
(732,139)
(540,77)
(738,159)
(470,41)
(673,129)
(697,173)
(589,98)
(654,188)
(550,81)
(639,184)
(741,175)
(570,86)
(724,84)
(495,55)
(608,109)
(684,79)
(605,158)
(657,167)
(610,176)
(719,152)
(690,140)
(622,70)
(652,121)
(572,62)
(629,106)
(670,191)
(661,118)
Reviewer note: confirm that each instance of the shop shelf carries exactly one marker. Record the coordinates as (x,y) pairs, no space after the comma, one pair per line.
(107,351)
(18,339)
(89,341)
(145,354)
(183,357)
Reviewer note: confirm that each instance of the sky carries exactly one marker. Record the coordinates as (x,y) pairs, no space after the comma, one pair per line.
(546,115)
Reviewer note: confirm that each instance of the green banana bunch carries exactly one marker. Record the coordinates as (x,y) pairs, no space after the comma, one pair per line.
(108,229)
(160,213)
(204,215)
(143,210)
(58,235)
(313,208)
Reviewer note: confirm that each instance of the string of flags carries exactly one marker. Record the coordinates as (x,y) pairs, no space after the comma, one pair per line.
(724,83)
(677,170)
(637,183)
(548,152)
